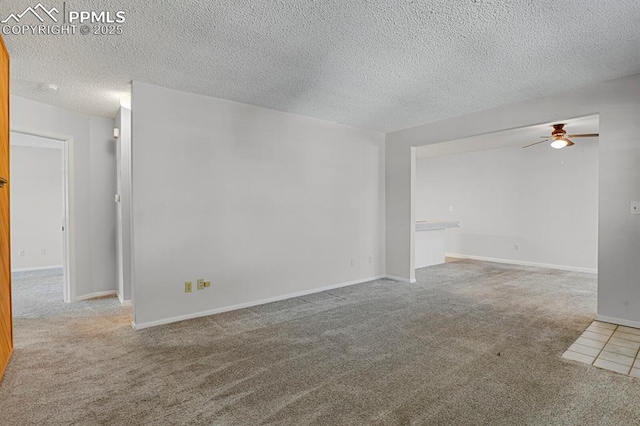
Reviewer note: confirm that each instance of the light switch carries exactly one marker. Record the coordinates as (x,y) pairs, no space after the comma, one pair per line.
(634,207)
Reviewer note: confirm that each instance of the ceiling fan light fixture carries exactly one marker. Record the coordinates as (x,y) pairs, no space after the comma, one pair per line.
(559,138)
(559,143)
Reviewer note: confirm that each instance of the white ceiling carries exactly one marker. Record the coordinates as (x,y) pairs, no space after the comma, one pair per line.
(382,65)
(515,138)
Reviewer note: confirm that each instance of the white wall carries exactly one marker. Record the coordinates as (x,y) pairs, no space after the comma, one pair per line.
(102,175)
(260,202)
(37,206)
(618,104)
(92,187)
(123,188)
(543,200)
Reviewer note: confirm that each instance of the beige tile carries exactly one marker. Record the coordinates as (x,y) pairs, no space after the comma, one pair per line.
(626,343)
(604,325)
(612,366)
(575,356)
(622,350)
(627,336)
(591,343)
(620,359)
(585,350)
(629,330)
(595,336)
(637,363)
(600,330)
(635,372)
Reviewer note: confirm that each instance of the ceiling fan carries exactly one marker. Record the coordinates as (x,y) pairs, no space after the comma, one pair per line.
(559,138)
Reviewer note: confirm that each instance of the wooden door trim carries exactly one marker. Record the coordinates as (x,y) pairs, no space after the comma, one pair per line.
(7,188)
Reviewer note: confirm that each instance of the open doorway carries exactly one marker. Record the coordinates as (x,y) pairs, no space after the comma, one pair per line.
(39,206)
(533,207)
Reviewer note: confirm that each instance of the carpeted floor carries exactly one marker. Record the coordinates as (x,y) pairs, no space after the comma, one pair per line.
(469,343)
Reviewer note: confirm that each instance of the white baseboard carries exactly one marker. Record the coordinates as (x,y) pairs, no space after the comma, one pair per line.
(627,323)
(523,263)
(122,301)
(401,279)
(97,294)
(140,326)
(36,268)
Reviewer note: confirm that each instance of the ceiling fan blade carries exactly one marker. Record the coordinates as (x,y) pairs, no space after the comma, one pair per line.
(584,135)
(536,143)
(569,143)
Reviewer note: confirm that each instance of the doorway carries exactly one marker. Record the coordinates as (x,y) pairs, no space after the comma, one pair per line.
(531,207)
(39,221)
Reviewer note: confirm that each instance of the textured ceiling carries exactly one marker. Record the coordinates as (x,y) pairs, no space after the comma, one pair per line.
(515,138)
(382,65)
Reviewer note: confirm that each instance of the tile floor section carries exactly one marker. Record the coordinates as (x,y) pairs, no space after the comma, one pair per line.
(608,346)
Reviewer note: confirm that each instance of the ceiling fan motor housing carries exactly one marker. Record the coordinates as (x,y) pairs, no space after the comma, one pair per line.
(558,131)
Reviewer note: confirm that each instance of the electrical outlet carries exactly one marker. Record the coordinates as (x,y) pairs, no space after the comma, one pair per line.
(516,247)
(200,284)
(450,208)
(353,262)
(370,259)
(188,287)
(207,284)
(43,252)
(21,253)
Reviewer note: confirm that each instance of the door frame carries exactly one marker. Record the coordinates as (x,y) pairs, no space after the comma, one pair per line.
(68,249)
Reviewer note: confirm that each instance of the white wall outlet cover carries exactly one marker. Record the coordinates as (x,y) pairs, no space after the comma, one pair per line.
(634,207)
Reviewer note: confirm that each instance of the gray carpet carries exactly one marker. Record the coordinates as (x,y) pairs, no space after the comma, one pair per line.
(469,343)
